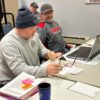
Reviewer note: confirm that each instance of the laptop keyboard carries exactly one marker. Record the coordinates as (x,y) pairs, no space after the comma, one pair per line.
(82,52)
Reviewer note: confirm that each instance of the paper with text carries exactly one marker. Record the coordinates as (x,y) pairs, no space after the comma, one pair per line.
(85,89)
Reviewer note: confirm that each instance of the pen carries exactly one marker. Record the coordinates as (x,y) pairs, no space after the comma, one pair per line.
(59,61)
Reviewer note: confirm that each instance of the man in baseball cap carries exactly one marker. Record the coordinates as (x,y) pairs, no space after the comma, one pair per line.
(33,8)
(50,32)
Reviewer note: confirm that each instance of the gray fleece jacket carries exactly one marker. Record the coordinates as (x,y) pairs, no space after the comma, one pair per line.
(18,55)
(50,34)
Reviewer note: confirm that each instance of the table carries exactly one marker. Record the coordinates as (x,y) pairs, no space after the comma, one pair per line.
(60,91)
(60,84)
(90,74)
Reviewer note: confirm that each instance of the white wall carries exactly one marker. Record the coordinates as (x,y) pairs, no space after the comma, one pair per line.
(74,16)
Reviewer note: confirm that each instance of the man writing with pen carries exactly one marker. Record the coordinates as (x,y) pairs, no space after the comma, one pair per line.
(20,50)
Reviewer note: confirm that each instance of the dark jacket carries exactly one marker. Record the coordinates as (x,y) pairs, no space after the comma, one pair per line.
(50,34)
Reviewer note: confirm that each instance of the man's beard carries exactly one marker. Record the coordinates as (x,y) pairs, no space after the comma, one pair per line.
(28,38)
(49,19)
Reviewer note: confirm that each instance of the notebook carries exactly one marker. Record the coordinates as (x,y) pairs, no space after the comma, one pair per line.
(22,87)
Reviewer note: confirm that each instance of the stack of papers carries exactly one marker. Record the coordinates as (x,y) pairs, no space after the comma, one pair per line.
(71,70)
(85,89)
(22,87)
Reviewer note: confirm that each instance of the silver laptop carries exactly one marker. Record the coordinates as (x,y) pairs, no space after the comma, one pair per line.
(86,53)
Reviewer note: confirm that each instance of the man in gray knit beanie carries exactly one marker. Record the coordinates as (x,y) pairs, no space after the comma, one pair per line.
(20,48)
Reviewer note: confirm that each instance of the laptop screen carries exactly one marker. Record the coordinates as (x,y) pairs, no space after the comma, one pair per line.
(95,49)
(86,53)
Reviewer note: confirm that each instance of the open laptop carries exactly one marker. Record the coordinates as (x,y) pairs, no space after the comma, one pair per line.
(86,53)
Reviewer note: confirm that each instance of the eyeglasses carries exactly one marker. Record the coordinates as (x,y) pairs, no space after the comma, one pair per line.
(66,64)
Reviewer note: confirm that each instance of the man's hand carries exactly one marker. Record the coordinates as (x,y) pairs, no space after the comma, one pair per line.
(52,55)
(53,69)
(70,45)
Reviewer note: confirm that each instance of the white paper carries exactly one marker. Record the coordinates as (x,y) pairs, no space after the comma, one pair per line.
(85,89)
(71,70)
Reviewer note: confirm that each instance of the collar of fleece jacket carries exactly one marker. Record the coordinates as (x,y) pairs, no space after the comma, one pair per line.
(54,29)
